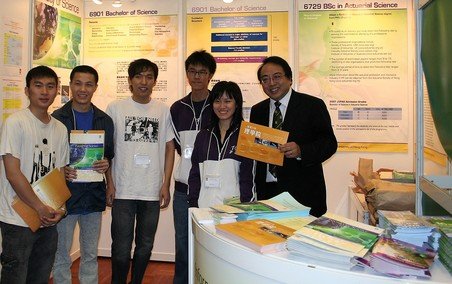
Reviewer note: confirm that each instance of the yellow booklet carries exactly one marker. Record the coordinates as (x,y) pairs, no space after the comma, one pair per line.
(260,143)
(51,189)
(261,235)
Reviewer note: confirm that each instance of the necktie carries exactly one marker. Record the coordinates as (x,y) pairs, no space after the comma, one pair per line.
(277,117)
(277,124)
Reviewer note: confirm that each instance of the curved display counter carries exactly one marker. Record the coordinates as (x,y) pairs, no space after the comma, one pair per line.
(214,259)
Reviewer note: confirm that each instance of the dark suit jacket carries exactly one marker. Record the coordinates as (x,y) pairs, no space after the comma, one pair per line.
(309,125)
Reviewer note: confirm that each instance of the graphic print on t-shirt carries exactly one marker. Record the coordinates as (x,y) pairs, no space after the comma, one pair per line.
(141,129)
(43,160)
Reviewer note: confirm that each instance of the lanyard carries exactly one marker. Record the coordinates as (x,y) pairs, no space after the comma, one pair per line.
(198,119)
(221,151)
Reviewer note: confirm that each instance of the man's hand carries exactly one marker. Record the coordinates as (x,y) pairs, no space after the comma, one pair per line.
(165,197)
(290,150)
(101,166)
(70,173)
(55,217)
(110,194)
(45,214)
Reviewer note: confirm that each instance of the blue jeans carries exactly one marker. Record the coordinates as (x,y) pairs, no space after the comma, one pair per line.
(180,213)
(27,257)
(89,238)
(124,212)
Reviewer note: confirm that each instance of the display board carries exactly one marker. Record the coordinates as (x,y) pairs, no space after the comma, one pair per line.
(15,60)
(57,33)
(56,40)
(239,35)
(354,55)
(115,37)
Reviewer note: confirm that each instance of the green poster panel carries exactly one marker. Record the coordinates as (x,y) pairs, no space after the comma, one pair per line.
(437,64)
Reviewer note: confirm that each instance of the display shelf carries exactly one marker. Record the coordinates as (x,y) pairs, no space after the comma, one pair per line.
(439,189)
(215,259)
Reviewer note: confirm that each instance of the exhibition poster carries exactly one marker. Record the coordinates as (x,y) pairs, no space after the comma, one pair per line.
(12,96)
(114,38)
(12,44)
(239,37)
(13,33)
(57,34)
(354,56)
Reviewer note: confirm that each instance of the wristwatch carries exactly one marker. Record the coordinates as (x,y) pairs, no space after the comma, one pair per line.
(65,211)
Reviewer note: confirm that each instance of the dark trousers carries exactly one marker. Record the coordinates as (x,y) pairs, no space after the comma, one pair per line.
(267,190)
(27,257)
(124,213)
(180,212)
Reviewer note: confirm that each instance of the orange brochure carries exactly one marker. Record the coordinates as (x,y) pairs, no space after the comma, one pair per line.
(51,189)
(260,143)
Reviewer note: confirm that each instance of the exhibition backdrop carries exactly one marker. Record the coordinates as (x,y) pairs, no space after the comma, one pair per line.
(354,55)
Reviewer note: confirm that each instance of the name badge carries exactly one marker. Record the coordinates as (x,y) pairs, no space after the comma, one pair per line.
(141,160)
(187,152)
(212,182)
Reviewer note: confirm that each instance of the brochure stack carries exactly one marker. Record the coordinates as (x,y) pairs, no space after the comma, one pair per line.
(444,226)
(406,227)
(399,259)
(334,240)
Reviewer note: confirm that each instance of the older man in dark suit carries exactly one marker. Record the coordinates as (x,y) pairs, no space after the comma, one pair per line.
(311,138)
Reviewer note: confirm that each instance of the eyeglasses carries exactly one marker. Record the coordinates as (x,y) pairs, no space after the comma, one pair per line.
(276,78)
(200,73)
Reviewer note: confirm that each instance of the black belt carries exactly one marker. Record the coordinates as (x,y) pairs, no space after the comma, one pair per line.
(180,187)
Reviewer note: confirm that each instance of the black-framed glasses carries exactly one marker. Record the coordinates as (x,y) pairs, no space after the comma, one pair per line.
(194,72)
(276,78)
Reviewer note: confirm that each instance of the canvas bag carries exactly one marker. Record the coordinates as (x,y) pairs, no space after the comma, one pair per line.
(396,196)
(228,172)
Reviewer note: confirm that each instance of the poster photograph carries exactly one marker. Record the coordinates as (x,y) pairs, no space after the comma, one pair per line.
(56,36)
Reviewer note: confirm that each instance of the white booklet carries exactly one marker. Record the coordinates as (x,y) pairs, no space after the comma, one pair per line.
(283,202)
(86,148)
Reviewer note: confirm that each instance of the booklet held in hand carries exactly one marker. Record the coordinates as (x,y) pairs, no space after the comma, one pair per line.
(51,189)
